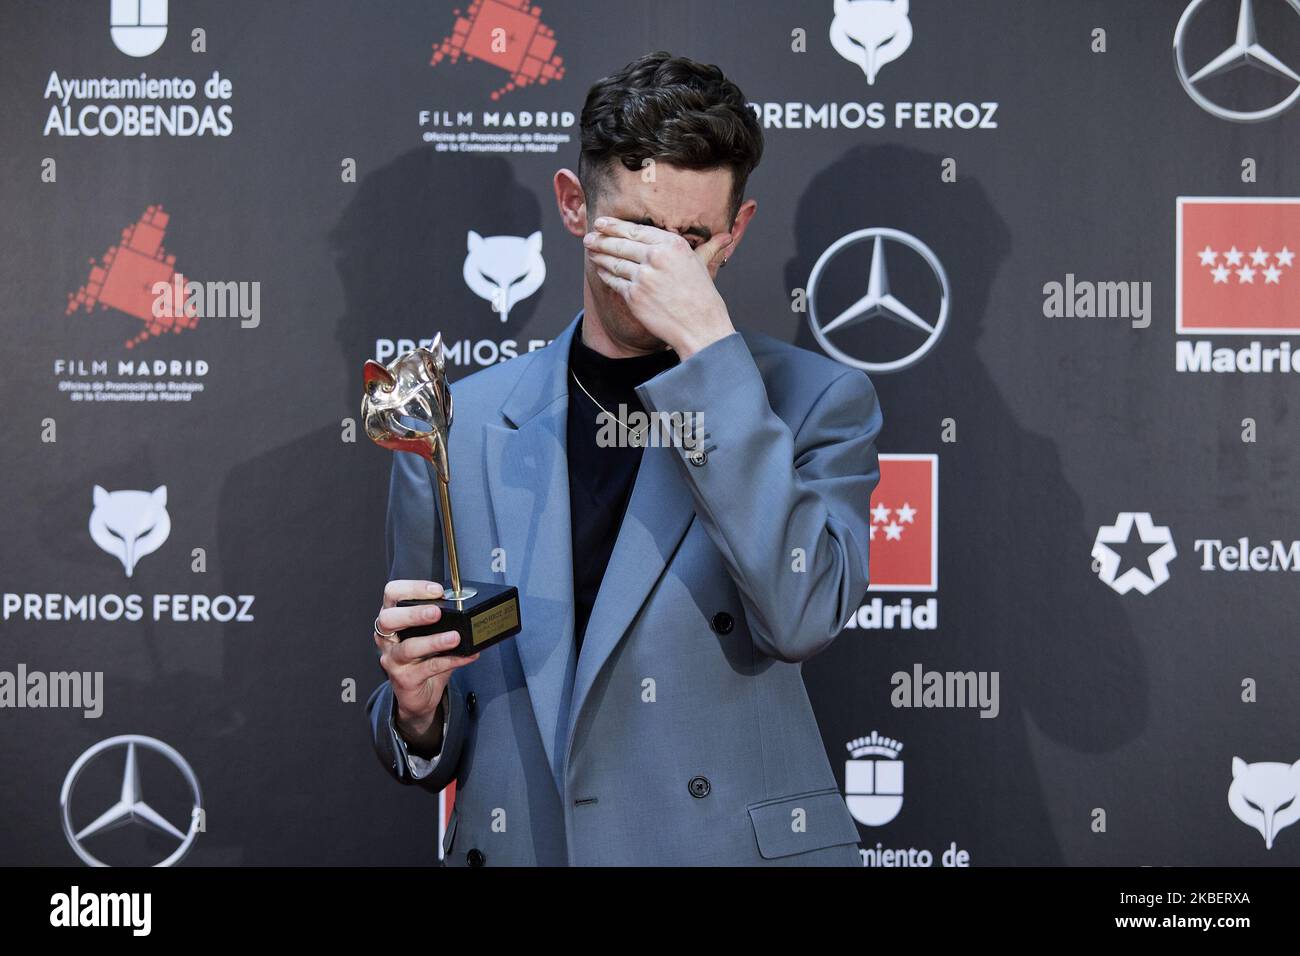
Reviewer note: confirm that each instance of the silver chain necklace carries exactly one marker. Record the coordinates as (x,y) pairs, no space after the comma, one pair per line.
(634,433)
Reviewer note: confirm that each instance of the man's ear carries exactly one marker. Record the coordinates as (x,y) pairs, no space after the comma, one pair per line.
(740,224)
(572,202)
(737,232)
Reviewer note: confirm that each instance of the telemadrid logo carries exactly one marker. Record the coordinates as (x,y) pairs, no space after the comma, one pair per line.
(131,807)
(880,301)
(1149,533)
(1245,50)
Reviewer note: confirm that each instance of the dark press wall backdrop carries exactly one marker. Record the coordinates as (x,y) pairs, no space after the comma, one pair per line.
(1059,235)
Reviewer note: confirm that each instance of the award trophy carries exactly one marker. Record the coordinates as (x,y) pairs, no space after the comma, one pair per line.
(414,386)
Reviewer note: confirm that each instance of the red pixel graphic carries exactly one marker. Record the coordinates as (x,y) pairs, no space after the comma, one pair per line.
(507,34)
(126,277)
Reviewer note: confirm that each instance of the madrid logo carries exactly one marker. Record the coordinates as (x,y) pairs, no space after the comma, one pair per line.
(1151,535)
(1265,796)
(873,779)
(1236,261)
(138,27)
(903,523)
(505,270)
(871,33)
(904,530)
(130,524)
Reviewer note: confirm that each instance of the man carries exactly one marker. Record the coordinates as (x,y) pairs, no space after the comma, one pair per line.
(652,710)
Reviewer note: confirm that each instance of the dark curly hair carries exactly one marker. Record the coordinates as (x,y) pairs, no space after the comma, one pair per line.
(673,110)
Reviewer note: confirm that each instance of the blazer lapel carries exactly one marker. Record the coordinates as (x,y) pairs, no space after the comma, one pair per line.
(528,482)
(658,514)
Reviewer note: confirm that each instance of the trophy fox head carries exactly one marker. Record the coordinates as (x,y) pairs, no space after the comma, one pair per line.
(414,387)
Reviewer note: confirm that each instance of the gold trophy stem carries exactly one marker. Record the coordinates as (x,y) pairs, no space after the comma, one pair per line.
(449,536)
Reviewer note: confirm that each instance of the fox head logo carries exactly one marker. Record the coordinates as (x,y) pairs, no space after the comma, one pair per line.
(1264,796)
(130,524)
(504,269)
(871,33)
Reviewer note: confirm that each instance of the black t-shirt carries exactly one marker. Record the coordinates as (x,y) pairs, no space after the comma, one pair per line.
(601,479)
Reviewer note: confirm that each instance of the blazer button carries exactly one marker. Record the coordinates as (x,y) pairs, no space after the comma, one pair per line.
(475,857)
(723,622)
(699,787)
(698,458)
(471,704)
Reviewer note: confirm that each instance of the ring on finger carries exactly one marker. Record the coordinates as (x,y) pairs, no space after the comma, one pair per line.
(386,635)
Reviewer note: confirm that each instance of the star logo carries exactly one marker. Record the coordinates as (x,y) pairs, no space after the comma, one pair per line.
(1105,553)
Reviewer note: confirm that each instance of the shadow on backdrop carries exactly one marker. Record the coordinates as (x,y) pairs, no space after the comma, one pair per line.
(1015,591)
(303,528)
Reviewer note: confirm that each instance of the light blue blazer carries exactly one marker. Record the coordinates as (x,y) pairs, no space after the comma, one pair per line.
(682,734)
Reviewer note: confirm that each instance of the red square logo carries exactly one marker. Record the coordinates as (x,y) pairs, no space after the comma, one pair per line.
(905,524)
(501,34)
(1236,266)
(129,285)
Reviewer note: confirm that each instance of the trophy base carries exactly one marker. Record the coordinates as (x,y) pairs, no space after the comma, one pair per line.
(487,617)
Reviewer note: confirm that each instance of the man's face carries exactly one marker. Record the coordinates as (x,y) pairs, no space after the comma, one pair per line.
(694,203)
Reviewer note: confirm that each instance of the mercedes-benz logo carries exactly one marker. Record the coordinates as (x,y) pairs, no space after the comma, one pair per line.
(879,301)
(130,807)
(1245,50)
